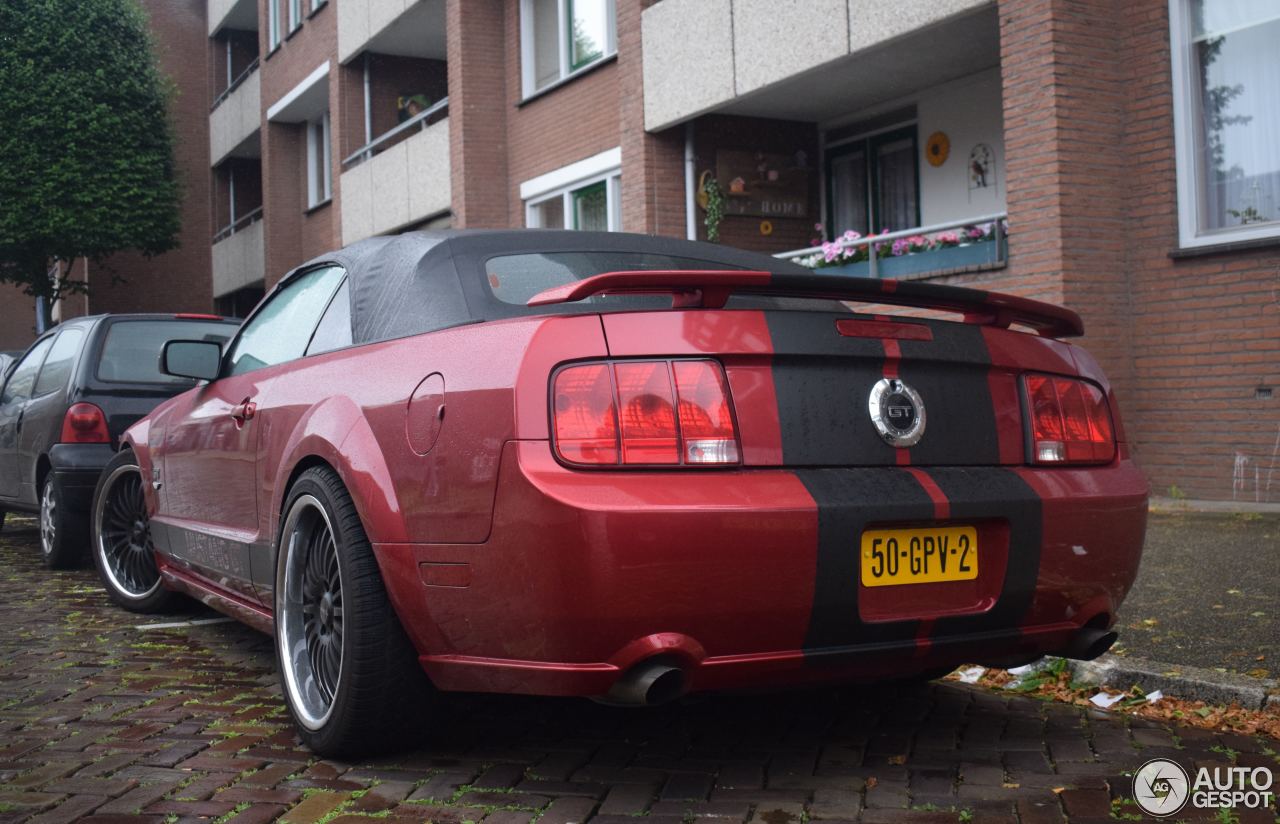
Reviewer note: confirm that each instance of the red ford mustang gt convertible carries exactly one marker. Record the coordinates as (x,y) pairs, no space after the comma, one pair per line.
(626,467)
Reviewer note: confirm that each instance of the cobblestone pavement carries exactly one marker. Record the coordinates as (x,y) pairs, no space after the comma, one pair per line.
(102,721)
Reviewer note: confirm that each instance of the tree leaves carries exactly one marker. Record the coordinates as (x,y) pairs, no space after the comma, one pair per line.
(87,146)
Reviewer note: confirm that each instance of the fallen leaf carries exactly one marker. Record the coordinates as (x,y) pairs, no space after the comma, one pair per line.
(897,759)
(1009,786)
(1149,622)
(871,782)
(1058,790)
(1234,592)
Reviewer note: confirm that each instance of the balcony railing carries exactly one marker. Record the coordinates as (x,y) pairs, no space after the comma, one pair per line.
(878,260)
(239,225)
(235,84)
(419,122)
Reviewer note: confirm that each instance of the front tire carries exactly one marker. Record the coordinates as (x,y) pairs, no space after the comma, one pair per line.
(62,532)
(350,677)
(122,549)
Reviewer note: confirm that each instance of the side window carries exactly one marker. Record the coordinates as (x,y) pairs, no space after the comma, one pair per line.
(334,331)
(23,379)
(279,332)
(62,357)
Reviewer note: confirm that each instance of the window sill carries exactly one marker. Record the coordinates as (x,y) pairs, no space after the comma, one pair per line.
(568,78)
(293,31)
(315,9)
(317,207)
(271,51)
(1226,248)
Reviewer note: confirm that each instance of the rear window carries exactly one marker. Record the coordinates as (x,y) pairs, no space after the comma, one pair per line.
(513,279)
(131,352)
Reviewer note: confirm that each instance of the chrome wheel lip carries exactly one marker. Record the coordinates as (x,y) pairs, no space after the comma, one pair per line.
(99,538)
(48,514)
(309,706)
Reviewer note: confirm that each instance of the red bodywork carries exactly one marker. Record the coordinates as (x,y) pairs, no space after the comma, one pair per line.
(514,573)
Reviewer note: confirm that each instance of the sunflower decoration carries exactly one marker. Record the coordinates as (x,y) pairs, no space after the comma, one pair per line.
(937,148)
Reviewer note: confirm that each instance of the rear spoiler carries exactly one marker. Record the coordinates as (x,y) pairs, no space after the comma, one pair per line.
(710,289)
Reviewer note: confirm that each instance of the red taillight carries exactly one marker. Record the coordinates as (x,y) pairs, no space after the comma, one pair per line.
(644,413)
(1070,421)
(85,423)
(586,416)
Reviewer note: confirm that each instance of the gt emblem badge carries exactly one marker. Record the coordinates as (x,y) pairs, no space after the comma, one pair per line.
(897,412)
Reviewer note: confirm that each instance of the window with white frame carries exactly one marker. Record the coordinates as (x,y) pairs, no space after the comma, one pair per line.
(561,37)
(295,15)
(316,4)
(584,195)
(1227,116)
(274,29)
(319,165)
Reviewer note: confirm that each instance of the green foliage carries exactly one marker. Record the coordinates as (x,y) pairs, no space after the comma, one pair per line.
(87,149)
(715,208)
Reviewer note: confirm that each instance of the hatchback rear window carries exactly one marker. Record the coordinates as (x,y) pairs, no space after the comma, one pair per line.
(131,352)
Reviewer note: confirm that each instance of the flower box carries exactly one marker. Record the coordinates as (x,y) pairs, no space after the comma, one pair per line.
(933,260)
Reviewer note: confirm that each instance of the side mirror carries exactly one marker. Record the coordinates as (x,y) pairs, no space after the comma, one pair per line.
(199,359)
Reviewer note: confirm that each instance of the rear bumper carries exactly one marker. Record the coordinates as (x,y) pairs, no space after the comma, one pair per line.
(750,578)
(76,467)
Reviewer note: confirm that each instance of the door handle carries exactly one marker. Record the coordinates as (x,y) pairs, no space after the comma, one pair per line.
(243,412)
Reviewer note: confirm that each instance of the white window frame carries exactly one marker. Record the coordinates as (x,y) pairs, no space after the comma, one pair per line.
(274,35)
(563,182)
(1185,91)
(319,195)
(316,4)
(567,72)
(295,15)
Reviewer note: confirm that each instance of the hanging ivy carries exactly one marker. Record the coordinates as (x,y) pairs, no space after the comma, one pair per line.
(715,208)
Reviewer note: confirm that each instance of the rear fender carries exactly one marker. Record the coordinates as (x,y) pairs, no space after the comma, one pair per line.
(335,431)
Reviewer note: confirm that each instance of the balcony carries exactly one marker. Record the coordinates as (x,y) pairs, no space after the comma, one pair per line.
(399,179)
(742,57)
(418,29)
(232,14)
(238,256)
(236,118)
(951,248)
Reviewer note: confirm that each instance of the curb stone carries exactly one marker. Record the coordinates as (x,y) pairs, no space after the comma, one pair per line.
(1177,681)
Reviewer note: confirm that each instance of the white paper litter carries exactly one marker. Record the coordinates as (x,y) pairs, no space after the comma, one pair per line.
(1104,700)
(1153,697)
(970,675)
(1023,670)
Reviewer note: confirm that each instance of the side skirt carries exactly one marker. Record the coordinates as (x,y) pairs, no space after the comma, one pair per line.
(214,596)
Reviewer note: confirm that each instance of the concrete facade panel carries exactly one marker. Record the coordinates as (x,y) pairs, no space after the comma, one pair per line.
(872,22)
(239,260)
(776,39)
(237,117)
(688,59)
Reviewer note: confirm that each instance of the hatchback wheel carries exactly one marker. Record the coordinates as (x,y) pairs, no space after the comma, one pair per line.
(349,674)
(122,548)
(62,532)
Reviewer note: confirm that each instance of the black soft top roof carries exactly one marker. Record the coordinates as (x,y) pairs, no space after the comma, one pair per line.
(422,281)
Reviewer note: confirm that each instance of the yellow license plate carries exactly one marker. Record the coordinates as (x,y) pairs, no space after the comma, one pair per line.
(922,555)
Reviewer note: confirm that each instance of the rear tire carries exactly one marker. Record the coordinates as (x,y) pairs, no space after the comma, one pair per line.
(122,549)
(349,675)
(62,532)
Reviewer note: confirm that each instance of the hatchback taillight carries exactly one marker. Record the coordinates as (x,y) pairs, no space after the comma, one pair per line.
(84,423)
(1070,421)
(644,413)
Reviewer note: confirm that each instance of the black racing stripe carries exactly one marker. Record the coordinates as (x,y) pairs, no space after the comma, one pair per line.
(848,500)
(823,380)
(950,373)
(979,493)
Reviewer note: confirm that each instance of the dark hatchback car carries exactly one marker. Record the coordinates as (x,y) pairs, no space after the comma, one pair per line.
(66,402)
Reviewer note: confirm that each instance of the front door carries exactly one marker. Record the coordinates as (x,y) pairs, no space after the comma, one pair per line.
(210,514)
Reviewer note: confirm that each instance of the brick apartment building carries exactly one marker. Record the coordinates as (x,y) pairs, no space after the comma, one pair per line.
(1134,147)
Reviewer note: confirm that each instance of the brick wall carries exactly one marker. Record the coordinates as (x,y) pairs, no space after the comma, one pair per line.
(17,319)
(292,233)
(478,108)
